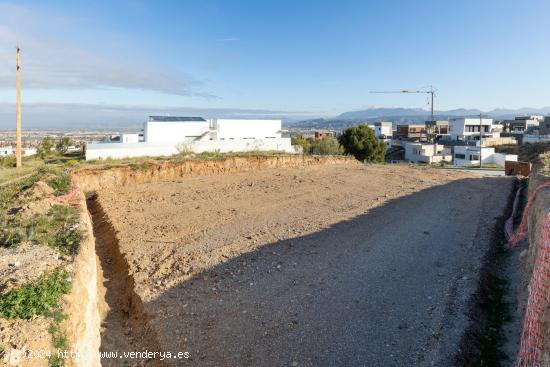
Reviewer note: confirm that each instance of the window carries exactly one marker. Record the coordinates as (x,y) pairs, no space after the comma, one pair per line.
(460,156)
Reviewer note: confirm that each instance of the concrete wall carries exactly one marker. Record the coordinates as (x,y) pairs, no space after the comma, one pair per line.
(501,140)
(529,139)
(129,138)
(500,158)
(129,150)
(254,129)
(488,156)
(173,131)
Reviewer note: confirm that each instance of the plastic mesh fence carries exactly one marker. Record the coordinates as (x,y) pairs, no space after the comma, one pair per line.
(532,335)
(70,198)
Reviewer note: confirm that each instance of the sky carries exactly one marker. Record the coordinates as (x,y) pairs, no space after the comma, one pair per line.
(297,58)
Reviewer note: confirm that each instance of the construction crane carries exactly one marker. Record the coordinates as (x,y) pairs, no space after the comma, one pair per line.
(431,92)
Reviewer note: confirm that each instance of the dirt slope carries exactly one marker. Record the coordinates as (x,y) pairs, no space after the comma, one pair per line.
(319,265)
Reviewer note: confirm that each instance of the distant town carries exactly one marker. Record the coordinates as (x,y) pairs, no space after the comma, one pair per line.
(458,141)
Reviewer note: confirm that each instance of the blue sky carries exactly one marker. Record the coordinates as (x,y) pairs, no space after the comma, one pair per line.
(296,57)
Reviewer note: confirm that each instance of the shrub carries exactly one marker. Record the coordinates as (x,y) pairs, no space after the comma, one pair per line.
(360,142)
(8,161)
(45,148)
(140,166)
(35,298)
(327,146)
(63,144)
(10,192)
(60,183)
(58,229)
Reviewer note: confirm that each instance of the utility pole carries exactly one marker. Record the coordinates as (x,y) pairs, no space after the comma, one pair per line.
(18,112)
(480,137)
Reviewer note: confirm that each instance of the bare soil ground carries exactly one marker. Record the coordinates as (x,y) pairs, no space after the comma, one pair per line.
(321,265)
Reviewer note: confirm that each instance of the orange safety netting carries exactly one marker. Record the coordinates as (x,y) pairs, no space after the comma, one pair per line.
(532,335)
(70,198)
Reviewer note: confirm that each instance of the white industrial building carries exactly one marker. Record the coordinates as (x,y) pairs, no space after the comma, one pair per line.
(167,135)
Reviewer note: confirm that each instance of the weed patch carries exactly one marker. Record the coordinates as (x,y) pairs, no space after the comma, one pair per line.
(60,183)
(58,229)
(35,298)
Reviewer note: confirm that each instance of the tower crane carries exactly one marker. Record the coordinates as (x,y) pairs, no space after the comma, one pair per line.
(431,92)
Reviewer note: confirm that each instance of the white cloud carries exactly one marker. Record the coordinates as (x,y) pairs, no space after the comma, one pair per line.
(79,115)
(52,60)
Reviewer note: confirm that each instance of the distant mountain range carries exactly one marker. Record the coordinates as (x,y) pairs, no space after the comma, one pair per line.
(406,115)
(497,113)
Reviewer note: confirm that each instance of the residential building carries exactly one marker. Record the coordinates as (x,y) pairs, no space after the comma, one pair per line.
(469,155)
(164,136)
(319,135)
(8,150)
(383,130)
(520,125)
(541,135)
(440,127)
(4,151)
(465,129)
(544,127)
(411,131)
(536,138)
(427,153)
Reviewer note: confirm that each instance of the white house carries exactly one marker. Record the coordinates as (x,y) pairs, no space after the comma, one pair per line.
(168,135)
(383,130)
(469,155)
(427,153)
(468,128)
(4,151)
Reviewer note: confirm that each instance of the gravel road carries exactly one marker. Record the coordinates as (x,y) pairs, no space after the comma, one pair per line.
(349,266)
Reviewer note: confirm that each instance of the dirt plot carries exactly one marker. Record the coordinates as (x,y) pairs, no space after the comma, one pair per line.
(318,265)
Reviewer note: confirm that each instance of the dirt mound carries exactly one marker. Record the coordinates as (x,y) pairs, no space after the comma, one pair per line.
(41,190)
(19,337)
(26,263)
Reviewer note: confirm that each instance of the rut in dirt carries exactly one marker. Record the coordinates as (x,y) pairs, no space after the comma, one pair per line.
(124,326)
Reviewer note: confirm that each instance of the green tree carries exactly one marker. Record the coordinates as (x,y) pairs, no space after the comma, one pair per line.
(326,146)
(63,144)
(45,147)
(302,141)
(360,142)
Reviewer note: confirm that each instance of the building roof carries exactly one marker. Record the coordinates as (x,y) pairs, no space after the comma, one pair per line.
(175,118)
